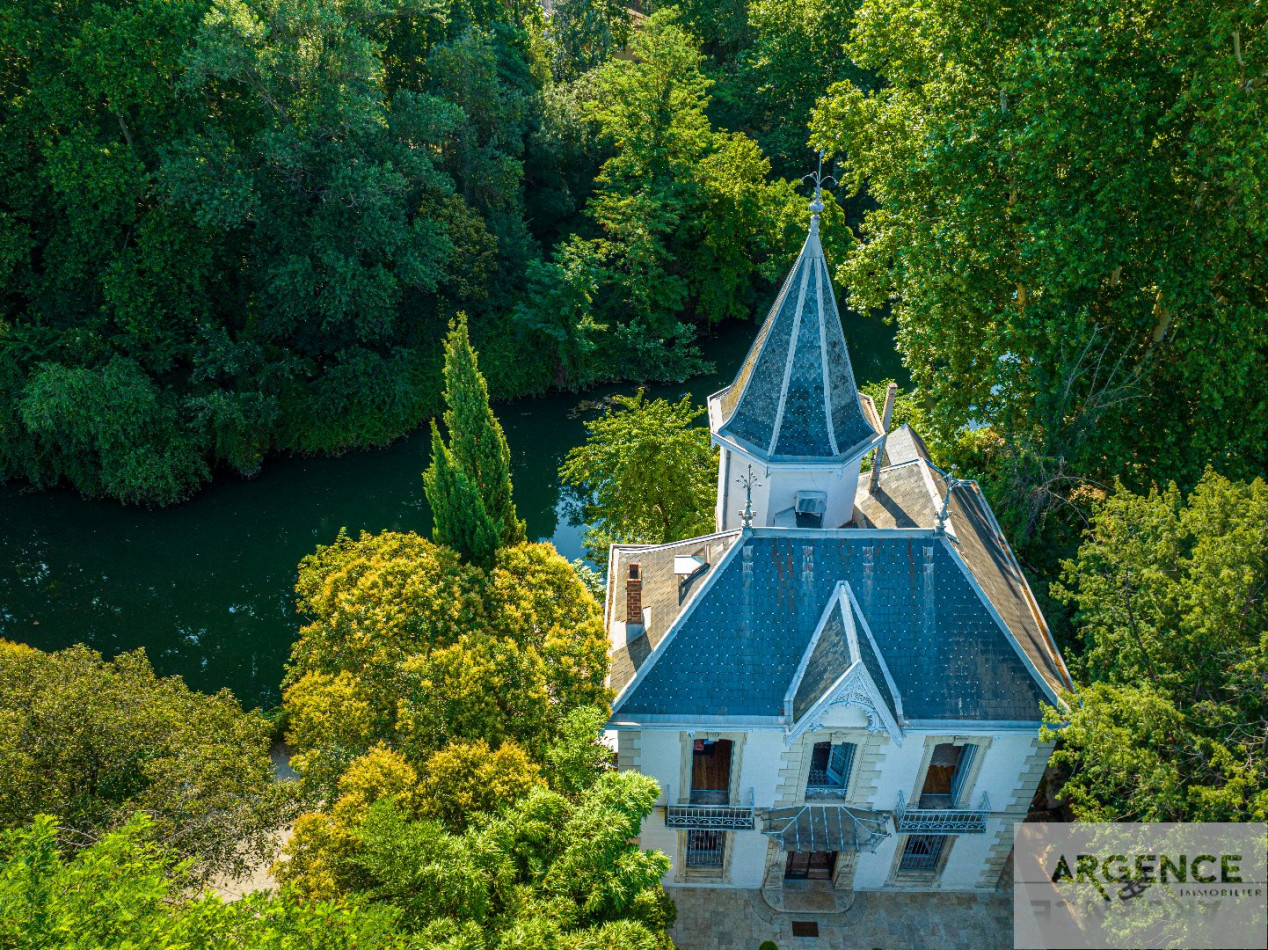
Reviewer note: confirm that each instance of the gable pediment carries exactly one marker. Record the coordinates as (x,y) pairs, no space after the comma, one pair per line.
(842,675)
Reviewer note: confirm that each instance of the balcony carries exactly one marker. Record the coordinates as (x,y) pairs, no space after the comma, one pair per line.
(822,787)
(709,816)
(941,820)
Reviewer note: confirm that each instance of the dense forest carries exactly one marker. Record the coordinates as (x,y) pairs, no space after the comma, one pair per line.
(243,226)
(235,227)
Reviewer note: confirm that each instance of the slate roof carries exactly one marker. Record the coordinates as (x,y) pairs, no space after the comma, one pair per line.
(904,445)
(794,397)
(665,594)
(910,495)
(841,641)
(830,656)
(734,654)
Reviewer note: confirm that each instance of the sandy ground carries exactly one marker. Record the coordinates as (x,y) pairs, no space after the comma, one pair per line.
(259,878)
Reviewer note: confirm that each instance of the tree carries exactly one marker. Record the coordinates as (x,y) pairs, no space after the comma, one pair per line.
(408,646)
(465,778)
(126,891)
(94,741)
(1170,600)
(646,472)
(241,225)
(583,34)
(1068,231)
(690,229)
(545,870)
(797,51)
(476,440)
(460,520)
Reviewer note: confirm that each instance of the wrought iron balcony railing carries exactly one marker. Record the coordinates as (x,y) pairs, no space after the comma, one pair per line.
(941,821)
(825,793)
(708,816)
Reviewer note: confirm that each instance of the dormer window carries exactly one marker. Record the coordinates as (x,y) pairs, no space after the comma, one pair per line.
(810,507)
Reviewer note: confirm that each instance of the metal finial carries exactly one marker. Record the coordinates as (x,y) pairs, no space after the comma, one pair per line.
(818,177)
(749,482)
(952,482)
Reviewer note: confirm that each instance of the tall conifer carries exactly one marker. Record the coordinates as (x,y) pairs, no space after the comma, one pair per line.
(476,440)
(459,518)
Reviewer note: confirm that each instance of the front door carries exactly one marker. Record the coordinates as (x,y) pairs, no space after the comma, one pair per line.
(810,865)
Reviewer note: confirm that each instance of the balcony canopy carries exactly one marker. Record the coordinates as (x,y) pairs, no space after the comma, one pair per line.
(827,828)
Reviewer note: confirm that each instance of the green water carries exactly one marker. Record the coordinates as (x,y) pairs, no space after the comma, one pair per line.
(207,587)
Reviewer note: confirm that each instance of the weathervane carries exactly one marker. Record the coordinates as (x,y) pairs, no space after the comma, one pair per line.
(749,481)
(818,177)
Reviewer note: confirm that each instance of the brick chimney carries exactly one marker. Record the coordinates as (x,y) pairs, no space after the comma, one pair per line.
(634,596)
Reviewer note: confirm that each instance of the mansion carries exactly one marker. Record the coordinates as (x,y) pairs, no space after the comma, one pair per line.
(844,682)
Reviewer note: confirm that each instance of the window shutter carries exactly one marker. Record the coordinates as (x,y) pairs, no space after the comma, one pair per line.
(839,762)
(968,752)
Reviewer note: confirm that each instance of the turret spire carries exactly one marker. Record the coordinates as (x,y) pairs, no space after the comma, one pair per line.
(795,398)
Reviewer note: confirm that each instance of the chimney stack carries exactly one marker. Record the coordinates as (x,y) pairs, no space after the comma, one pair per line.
(634,596)
(890,394)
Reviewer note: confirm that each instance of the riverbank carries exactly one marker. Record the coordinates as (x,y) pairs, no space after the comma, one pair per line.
(206,587)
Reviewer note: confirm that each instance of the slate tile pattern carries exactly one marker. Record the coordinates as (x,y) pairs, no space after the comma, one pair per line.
(737,651)
(776,408)
(665,594)
(829,660)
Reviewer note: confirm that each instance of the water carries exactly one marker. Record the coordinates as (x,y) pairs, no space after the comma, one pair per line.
(206,587)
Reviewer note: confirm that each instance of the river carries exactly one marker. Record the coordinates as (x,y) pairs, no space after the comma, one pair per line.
(206,587)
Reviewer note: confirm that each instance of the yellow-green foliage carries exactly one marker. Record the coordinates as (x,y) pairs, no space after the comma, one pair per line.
(469,777)
(323,840)
(94,741)
(410,647)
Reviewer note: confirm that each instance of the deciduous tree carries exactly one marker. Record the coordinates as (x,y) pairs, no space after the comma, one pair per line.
(1068,229)
(1170,596)
(646,473)
(94,741)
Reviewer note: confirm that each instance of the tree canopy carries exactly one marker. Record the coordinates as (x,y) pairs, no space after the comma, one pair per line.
(1068,230)
(407,645)
(239,226)
(645,473)
(94,741)
(124,891)
(1170,597)
(468,483)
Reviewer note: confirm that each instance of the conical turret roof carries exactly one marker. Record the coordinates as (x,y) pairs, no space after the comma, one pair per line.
(794,397)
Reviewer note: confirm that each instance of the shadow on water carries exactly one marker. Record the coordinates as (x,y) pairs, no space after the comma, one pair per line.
(207,587)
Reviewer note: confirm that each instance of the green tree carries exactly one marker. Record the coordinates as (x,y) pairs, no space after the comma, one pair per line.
(476,440)
(1170,601)
(545,870)
(409,646)
(460,520)
(94,741)
(465,778)
(583,34)
(1068,230)
(646,473)
(690,230)
(796,51)
(125,891)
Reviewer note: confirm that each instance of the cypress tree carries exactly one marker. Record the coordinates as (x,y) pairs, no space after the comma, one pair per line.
(459,518)
(476,440)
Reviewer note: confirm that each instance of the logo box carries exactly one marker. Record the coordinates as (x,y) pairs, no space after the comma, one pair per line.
(1199,885)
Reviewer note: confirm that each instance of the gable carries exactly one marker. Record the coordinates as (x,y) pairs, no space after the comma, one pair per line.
(738,649)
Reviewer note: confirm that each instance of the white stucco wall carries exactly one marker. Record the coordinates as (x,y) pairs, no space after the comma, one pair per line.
(777,486)
(766,761)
